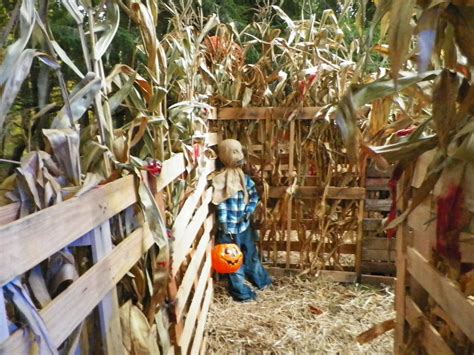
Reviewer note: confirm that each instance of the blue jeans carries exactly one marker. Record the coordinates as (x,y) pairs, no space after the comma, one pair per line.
(252,268)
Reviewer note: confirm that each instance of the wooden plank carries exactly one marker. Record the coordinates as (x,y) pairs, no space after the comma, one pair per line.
(189,207)
(26,242)
(377,184)
(379,244)
(311,192)
(4,333)
(400,288)
(192,270)
(203,349)
(9,213)
(109,313)
(80,298)
(432,341)
(195,305)
(338,276)
(297,246)
(372,224)
(372,205)
(346,193)
(378,255)
(260,113)
(443,290)
(201,323)
(359,238)
(377,280)
(378,267)
(466,246)
(176,327)
(183,242)
(212,138)
(289,211)
(171,169)
(282,147)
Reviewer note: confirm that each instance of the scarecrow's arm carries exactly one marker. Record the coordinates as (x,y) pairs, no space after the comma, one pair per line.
(253,197)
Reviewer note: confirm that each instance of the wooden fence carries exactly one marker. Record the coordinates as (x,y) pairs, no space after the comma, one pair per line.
(290,248)
(85,221)
(435,315)
(378,252)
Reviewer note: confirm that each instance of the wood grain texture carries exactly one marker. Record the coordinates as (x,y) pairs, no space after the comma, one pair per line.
(183,242)
(4,333)
(201,323)
(68,309)
(171,169)
(109,313)
(25,243)
(195,306)
(431,340)
(192,270)
(443,291)
(311,192)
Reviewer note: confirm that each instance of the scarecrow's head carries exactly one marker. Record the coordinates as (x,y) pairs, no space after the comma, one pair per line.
(230,153)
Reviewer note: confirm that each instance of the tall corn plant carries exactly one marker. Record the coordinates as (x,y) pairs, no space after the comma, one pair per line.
(279,61)
(430,39)
(97,148)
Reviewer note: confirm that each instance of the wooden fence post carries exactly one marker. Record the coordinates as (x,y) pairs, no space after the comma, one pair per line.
(101,243)
(289,216)
(4,333)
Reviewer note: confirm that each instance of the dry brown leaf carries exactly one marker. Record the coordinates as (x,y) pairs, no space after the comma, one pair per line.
(444,105)
(400,33)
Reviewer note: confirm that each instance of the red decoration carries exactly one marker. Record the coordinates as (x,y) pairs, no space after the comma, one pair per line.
(405,132)
(450,222)
(154,168)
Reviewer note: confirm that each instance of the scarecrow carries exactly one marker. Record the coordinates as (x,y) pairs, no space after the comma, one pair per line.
(236,198)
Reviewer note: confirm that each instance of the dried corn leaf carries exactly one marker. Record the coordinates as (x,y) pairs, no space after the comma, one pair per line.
(138,337)
(400,33)
(444,105)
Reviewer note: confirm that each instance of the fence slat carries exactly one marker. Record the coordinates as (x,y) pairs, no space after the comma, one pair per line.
(182,220)
(109,314)
(183,242)
(466,247)
(171,169)
(443,291)
(4,333)
(201,323)
(195,305)
(69,308)
(27,242)
(311,192)
(432,340)
(192,270)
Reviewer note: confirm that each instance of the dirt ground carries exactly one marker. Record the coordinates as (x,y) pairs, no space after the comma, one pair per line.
(301,316)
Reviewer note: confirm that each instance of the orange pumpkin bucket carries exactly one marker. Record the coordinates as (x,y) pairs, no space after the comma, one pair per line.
(226,258)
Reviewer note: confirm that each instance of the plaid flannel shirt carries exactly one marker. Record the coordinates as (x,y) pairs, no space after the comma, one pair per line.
(232,212)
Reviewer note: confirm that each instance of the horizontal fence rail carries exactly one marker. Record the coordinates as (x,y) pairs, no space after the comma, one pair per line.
(85,221)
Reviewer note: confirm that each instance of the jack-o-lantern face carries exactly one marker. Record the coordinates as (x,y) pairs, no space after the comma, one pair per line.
(226,258)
